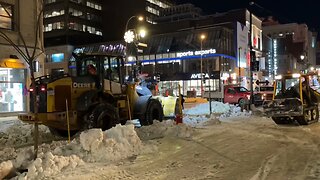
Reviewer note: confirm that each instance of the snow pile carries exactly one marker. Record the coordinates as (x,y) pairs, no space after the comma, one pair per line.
(5,169)
(50,165)
(199,115)
(235,113)
(164,128)
(22,134)
(201,109)
(95,145)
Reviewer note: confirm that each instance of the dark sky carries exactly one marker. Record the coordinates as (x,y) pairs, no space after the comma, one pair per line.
(305,11)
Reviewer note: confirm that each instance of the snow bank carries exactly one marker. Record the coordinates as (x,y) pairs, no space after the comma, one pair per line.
(92,145)
(204,108)
(49,165)
(5,168)
(199,115)
(95,145)
(22,134)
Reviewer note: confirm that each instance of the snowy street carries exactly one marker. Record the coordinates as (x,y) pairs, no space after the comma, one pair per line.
(228,145)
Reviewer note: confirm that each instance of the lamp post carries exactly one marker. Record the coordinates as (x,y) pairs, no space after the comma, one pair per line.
(202,37)
(140,18)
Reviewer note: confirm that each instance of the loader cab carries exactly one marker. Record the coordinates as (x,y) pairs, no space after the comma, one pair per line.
(102,68)
(291,86)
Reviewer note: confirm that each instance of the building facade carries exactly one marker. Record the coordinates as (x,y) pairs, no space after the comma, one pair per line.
(18,22)
(68,23)
(293,47)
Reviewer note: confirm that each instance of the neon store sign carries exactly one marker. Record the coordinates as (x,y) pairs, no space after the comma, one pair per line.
(195,53)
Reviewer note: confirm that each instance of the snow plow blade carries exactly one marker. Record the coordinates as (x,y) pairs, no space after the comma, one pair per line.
(289,107)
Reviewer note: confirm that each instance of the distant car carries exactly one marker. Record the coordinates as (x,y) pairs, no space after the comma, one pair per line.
(265,93)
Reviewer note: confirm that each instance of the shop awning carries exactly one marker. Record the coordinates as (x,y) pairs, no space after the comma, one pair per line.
(12,63)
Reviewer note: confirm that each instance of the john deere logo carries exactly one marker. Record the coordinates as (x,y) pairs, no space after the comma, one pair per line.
(83,85)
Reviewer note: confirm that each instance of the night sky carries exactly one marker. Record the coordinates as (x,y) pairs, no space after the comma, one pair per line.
(305,11)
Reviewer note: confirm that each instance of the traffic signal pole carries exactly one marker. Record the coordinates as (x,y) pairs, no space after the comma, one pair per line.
(252,55)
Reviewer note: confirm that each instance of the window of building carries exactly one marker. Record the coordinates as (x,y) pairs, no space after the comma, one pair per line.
(12,90)
(56,25)
(47,27)
(152,10)
(59,57)
(314,41)
(74,12)
(77,1)
(159,3)
(6,20)
(149,20)
(94,5)
(53,13)
(36,66)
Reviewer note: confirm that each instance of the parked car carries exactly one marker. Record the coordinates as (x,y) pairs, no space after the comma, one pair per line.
(233,94)
(236,95)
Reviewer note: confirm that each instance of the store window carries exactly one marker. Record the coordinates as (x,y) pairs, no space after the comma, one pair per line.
(59,57)
(13,91)
(6,17)
(53,13)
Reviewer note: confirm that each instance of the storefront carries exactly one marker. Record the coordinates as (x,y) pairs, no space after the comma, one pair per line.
(190,83)
(13,94)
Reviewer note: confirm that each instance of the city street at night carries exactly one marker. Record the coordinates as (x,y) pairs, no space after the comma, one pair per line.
(159,90)
(235,145)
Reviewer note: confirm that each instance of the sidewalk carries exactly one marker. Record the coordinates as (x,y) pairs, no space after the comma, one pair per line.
(8,118)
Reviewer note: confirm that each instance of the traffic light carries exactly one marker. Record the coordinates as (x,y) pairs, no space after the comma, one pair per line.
(252,60)
(256,66)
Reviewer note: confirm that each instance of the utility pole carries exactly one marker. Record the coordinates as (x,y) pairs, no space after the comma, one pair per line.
(251,56)
(239,79)
(202,37)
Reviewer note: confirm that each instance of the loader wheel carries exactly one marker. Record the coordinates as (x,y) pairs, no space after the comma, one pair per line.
(154,111)
(306,118)
(315,114)
(104,116)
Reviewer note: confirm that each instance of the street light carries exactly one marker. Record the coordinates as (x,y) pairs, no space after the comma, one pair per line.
(128,35)
(202,37)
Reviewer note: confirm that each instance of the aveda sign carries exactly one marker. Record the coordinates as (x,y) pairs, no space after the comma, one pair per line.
(195,53)
(198,76)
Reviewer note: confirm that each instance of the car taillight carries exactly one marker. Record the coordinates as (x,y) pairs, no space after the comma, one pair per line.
(248,96)
(43,88)
(31,90)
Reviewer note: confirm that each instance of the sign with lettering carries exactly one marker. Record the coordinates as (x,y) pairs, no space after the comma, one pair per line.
(198,76)
(83,85)
(192,53)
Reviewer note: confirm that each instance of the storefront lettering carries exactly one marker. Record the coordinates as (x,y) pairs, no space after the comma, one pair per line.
(198,75)
(192,53)
(83,85)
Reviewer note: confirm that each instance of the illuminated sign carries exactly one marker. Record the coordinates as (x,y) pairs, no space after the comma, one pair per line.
(198,76)
(192,53)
